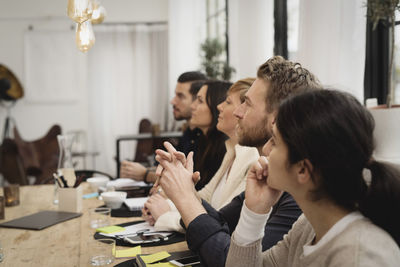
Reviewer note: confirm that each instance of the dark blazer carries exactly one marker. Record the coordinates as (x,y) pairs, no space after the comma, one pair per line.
(209,235)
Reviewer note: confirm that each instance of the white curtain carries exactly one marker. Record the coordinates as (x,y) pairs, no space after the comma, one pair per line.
(332,42)
(187,30)
(127,81)
(251,35)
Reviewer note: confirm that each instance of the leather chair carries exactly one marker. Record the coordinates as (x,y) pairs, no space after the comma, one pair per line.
(39,157)
(11,165)
(144,148)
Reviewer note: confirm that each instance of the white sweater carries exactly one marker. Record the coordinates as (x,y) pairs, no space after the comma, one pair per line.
(242,157)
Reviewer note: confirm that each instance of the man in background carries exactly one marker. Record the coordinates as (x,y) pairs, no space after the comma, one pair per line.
(188,84)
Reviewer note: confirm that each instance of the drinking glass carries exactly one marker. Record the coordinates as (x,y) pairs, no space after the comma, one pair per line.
(102,251)
(99,217)
(11,194)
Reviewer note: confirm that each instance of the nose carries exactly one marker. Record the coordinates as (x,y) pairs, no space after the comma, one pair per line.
(173,102)
(239,111)
(219,107)
(267,148)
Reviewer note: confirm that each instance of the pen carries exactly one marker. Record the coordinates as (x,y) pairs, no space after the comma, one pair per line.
(60,177)
(57,179)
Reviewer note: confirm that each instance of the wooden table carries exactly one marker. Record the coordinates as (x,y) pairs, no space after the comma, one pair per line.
(63,244)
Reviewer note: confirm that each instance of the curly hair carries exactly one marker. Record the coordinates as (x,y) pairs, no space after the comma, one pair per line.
(284,78)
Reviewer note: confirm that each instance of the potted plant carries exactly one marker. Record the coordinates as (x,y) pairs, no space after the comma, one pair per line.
(212,62)
(387,118)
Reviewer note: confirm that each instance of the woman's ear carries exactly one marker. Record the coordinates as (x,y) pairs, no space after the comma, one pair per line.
(305,169)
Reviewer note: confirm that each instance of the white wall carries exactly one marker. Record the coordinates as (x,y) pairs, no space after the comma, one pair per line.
(187,25)
(251,35)
(34,119)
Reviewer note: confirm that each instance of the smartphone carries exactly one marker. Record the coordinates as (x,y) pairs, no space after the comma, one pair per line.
(149,238)
(187,261)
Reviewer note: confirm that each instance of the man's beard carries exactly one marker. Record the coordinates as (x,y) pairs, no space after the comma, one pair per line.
(179,116)
(255,136)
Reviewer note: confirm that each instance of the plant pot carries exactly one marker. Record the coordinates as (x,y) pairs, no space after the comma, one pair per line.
(387,133)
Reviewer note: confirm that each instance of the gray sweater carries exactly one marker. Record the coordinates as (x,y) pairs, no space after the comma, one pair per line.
(360,244)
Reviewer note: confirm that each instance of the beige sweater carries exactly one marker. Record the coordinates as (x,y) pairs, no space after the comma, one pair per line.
(242,158)
(360,244)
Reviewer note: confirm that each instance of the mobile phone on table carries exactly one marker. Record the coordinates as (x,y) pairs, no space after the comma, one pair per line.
(149,238)
(186,261)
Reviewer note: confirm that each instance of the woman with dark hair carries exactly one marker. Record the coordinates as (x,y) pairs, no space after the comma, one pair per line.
(211,148)
(321,153)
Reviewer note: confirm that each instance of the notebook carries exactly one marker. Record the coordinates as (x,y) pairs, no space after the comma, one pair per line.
(136,203)
(40,220)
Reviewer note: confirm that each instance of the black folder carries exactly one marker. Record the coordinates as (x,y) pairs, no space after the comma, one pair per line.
(40,220)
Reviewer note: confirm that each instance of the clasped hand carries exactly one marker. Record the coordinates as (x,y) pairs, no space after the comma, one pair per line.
(176,172)
(259,196)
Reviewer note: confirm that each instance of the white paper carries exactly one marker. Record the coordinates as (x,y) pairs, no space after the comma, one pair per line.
(136,203)
(125,182)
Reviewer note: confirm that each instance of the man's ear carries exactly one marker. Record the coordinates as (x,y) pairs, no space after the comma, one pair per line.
(304,172)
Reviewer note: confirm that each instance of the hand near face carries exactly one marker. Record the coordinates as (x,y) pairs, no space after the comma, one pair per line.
(259,196)
(157,206)
(133,170)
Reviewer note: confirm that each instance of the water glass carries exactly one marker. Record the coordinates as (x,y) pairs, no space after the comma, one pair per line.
(1,253)
(11,194)
(99,217)
(102,251)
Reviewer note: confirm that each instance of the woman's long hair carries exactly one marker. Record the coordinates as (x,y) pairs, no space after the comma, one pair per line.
(211,149)
(335,132)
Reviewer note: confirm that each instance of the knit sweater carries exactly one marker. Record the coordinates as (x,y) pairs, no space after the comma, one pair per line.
(361,243)
(242,158)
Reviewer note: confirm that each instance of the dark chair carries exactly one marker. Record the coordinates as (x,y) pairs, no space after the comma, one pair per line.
(90,173)
(144,148)
(39,157)
(11,163)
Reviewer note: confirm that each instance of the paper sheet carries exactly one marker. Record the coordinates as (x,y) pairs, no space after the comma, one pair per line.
(133,229)
(135,203)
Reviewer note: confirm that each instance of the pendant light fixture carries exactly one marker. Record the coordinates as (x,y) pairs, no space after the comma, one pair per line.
(99,12)
(85,36)
(85,13)
(80,10)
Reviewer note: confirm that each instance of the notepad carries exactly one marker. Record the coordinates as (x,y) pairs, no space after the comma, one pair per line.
(130,252)
(155,257)
(41,220)
(135,204)
(110,229)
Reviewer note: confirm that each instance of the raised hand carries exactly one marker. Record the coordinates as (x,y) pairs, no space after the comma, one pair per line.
(259,196)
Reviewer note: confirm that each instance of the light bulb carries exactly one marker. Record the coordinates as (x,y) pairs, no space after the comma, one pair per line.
(99,12)
(80,10)
(98,15)
(84,36)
